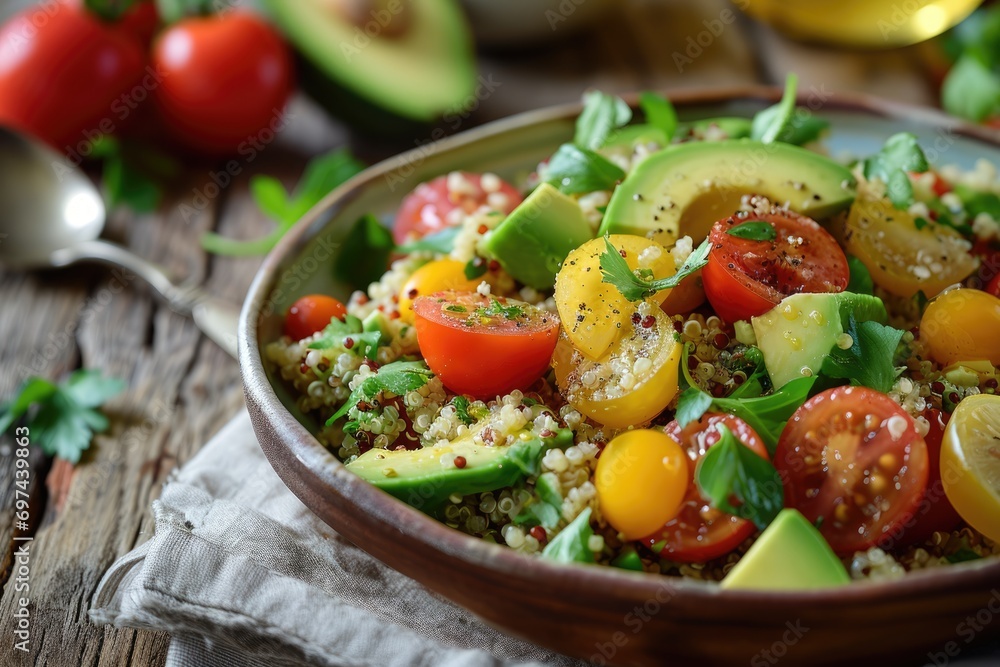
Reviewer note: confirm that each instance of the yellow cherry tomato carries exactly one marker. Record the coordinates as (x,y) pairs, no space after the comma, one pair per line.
(970,462)
(593,311)
(641,480)
(635,379)
(901,258)
(962,325)
(434,276)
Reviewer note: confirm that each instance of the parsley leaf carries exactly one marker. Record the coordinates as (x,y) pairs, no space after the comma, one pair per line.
(861,280)
(615,270)
(572,544)
(601,115)
(899,155)
(754,230)
(575,170)
(497,309)
(337,332)
(730,468)
(868,361)
(399,377)
(66,417)
(461,405)
(769,125)
(321,175)
(660,113)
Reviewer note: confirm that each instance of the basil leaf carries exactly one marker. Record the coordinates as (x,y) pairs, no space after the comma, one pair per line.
(731,469)
(475,268)
(769,124)
(861,279)
(803,128)
(575,170)
(754,230)
(868,361)
(660,113)
(691,405)
(572,543)
(971,90)
(441,242)
(601,115)
(364,253)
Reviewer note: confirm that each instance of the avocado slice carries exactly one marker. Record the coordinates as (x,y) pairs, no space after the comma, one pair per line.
(800,331)
(425,478)
(532,242)
(790,555)
(683,189)
(419,72)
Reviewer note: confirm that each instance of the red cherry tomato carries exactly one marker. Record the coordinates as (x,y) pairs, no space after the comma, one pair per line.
(994,286)
(698,532)
(62,73)
(141,19)
(311,314)
(427,208)
(934,512)
(225,81)
(484,346)
(853,461)
(744,277)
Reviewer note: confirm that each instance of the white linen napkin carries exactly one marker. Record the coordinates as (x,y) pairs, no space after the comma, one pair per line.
(242,573)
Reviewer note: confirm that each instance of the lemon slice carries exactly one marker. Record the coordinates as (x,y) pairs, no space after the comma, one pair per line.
(970,462)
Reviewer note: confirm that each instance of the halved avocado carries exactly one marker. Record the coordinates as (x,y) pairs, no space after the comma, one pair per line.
(682,190)
(418,73)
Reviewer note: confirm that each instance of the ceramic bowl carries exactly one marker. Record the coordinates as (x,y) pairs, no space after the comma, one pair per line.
(600,613)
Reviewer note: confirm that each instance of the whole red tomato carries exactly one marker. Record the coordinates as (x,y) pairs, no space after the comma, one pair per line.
(64,73)
(226,79)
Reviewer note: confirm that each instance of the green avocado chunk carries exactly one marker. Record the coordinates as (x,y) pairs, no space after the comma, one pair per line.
(417,66)
(797,334)
(683,189)
(532,242)
(790,555)
(425,478)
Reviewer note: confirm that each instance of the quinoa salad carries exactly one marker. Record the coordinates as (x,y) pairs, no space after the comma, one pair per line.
(703,349)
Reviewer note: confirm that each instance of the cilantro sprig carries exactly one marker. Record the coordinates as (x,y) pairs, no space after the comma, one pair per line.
(497,309)
(900,154)
(398,378)
(321,175)
(731,469)
(461,405)
(62,418)
(337,333)
(615,270)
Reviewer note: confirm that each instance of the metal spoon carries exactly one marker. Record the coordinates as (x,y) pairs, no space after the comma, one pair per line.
(51,215)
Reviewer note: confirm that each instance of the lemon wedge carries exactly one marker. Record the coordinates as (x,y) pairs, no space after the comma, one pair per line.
(970,462)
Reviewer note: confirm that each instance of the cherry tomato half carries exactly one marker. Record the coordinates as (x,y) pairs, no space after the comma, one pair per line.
(852,461)
(698,532)
(427,209)
(225,81)
(311,314)
(744,277)
(484,346)
(62,72)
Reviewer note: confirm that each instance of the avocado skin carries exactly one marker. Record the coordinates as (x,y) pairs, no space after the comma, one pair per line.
(666,196)
(421,480)
(790,554)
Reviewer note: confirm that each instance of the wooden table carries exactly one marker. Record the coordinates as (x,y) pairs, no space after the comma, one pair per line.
(182,388)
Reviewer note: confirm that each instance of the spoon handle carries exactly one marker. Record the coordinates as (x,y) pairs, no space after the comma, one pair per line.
(216,318)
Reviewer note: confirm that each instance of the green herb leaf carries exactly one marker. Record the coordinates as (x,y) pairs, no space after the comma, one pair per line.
(868,361)
(692,403)
(803,128)
(497,309)
(976,202)
(575,170)
(364,254)
(754,230)
(399,377)
(336,333)
(320,177)
(861,280)
(441,242)
(660,113)
(66,417)
(572,543)
(109,10)
(601,115)
(545,509)
(900,154)
(731,469)
(971,90)
(771,123)
(125,182)
(963,555)
(615,271)
(475,268)
(461,405)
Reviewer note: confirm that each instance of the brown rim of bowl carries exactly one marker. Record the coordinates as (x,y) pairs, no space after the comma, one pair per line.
(325,471)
